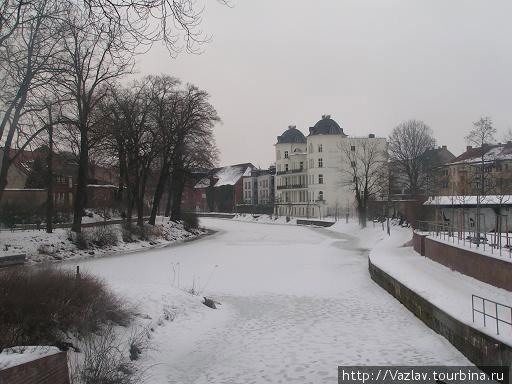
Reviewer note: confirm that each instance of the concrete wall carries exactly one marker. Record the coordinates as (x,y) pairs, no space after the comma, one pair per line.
(484,268)
(480,349)
(47,370)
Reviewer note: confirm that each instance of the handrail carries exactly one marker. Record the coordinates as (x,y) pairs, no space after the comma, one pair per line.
(496,313)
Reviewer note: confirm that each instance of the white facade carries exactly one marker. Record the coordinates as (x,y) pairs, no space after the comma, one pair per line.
(313,173)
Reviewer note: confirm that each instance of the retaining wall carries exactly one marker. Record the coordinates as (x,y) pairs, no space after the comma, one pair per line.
(488,269)
(320,223)
(481,349)
(46,370)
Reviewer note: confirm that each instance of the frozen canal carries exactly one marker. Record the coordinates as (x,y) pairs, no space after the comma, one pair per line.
(296,303)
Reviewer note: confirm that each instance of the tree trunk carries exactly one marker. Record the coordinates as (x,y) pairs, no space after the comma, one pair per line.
(162,180)
(168,205)
(140,198)
(49,197)
(178,184)
(81,185)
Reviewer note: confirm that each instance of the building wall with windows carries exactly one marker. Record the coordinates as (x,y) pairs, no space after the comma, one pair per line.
(313,175)
(463,176)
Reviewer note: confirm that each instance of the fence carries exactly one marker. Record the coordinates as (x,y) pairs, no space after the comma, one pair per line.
(501,312)
(42,226)
(494,241)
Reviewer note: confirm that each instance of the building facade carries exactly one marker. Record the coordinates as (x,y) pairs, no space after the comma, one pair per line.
(484,170)
(313,173)
(259,187)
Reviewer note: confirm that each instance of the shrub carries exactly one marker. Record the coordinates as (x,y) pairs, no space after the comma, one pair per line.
(44,306)
(104,236)
(190,221)
(148,232)
(46,249)
(109,358)
(81,239)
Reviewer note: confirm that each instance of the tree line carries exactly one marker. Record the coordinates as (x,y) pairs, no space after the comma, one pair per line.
(61,67)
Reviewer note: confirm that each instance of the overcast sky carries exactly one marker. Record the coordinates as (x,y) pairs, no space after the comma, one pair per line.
(369,63)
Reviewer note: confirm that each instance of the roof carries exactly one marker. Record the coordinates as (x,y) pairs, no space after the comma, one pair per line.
(326,126)
(469,200)
(228,175)
(437,156)
(291,135)
(490,153)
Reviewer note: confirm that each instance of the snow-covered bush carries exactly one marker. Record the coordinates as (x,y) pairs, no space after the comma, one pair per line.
(46,306)
(46,249)
(108,357)
(81,239)
(147,232)
(104,236)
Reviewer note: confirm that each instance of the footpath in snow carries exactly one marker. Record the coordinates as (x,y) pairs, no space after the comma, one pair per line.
(447,289)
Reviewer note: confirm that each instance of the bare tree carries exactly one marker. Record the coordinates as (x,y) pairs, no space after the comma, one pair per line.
(481,136)
(166,117)
(364,170)
(93,58)
(407,145)
(197,118)
(175,22)
(29,46)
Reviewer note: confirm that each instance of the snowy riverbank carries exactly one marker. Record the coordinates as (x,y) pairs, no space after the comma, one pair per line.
(39,246)
(447,289)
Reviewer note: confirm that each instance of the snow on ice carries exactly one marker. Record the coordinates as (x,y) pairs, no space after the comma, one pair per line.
(296,302)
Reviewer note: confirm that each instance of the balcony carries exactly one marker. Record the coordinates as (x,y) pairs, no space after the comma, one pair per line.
(292,171)
(292,186)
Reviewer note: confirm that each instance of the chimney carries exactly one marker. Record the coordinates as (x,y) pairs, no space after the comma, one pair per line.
(292,126)
(326,116)
(371,135)
(469,148)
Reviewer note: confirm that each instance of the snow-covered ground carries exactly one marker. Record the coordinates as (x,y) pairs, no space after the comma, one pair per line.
(449,290)
(296,303)
(39,246)
(11,357)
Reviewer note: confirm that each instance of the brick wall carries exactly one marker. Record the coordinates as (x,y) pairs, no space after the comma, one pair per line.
(47,370)
(418,242)
(484,268)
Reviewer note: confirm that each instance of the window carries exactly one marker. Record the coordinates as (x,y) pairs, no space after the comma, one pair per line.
(352,163)
(353,148)
(301,165)
(320,179)
(320,148)
(286,167)
(320,163)
(320,196)
(285,154)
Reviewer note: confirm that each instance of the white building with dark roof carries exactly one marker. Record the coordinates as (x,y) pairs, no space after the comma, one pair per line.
(312,171)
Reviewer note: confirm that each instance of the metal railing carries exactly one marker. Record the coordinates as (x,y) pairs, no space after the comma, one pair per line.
(493,241)
(292,186)
(496,315)
(291,171)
